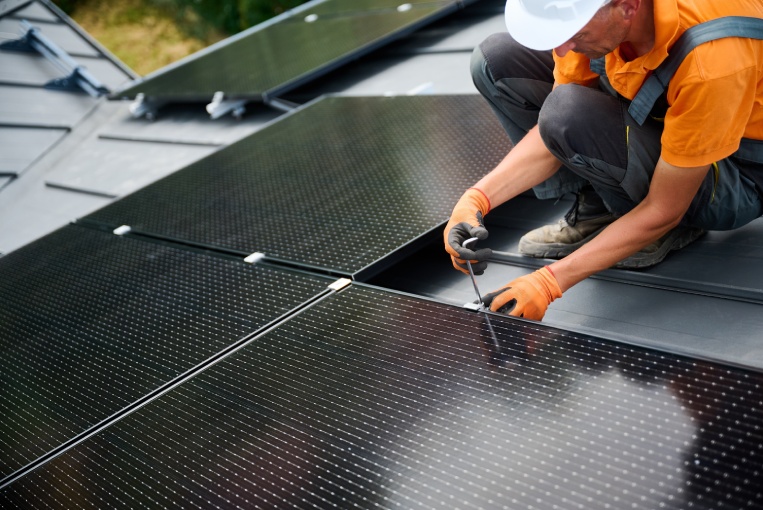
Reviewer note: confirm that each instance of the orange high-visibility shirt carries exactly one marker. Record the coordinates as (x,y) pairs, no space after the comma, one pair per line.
(715,98)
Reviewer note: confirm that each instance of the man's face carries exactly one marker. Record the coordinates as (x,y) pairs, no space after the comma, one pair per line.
(600,36)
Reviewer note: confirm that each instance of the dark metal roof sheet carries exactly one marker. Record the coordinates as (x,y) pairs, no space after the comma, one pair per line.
(110,168)
(34,70)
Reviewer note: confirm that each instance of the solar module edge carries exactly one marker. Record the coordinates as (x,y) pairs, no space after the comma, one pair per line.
(360,52)
(123,92)
(158,87)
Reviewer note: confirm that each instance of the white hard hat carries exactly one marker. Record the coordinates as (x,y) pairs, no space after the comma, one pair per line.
(546,24)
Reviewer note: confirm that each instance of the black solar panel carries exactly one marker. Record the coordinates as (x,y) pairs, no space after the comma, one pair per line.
(278,56)
(90,322)
(337,186)
(376,400)
(361,7)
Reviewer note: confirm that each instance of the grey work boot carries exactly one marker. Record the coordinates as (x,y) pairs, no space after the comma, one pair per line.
(587,217)
(653,254)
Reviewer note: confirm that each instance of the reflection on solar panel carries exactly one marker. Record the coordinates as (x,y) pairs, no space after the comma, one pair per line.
(337,186)
(275,57)
(91,322)
(375,400)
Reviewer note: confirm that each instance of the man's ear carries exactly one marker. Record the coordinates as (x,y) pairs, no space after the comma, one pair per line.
(629,8)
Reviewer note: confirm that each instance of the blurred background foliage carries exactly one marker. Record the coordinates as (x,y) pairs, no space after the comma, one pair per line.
(149,34)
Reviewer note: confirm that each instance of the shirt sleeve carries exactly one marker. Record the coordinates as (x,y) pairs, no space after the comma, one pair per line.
(710,104)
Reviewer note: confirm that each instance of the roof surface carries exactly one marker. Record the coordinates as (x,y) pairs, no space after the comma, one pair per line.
(158,367)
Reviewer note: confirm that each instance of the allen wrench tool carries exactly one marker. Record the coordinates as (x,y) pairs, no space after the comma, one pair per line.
(481,306)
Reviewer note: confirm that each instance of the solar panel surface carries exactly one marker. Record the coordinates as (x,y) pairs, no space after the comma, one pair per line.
(337,186)
(91,322)
(275,57)
(375,400)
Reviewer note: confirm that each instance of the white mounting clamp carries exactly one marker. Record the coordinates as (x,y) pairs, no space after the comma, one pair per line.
(220,106)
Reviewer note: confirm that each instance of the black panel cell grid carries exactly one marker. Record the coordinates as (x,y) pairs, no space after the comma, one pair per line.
(279,56)
(375,400)
(336,186)
(91,322)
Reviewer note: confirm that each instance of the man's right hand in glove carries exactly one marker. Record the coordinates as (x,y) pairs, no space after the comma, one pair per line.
(466,221)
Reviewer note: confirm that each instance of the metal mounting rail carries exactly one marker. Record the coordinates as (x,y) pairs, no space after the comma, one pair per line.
(77,77)
(748,295)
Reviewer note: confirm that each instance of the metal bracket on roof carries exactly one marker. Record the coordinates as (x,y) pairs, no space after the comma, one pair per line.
(280,104)
(220,106)
(144,107)
(77,77)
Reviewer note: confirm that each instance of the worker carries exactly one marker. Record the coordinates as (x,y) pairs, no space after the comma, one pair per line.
(651,171)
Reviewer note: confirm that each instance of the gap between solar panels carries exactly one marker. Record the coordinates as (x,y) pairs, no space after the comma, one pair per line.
(249,258)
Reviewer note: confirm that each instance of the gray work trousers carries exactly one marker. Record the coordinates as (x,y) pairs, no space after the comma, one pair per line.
(590,131)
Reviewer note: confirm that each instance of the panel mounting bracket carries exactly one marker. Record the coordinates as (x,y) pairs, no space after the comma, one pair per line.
(77,78)
(220,106)
(145,107)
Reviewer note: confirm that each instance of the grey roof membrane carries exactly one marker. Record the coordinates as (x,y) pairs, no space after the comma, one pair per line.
(65,38)
(20,146)
(37,107)
(32,11)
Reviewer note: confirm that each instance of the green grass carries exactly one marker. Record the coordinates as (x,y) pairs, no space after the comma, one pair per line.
(142,35)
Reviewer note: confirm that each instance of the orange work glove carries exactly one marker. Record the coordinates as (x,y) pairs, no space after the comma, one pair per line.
(466,222)
(528,296)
